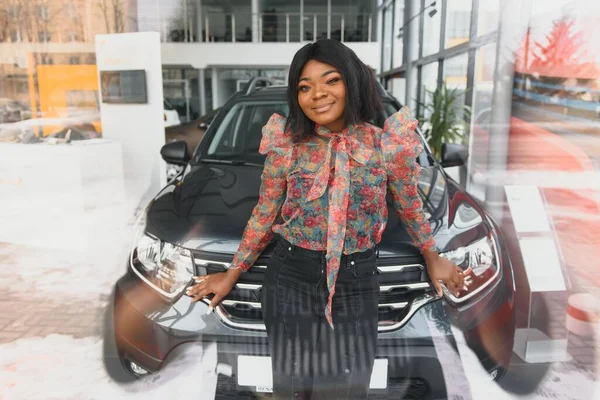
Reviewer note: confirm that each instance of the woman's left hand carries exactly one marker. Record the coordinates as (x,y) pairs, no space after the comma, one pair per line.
(219,284)
(444,270)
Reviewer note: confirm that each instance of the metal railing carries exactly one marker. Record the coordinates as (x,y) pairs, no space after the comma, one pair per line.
(272,27)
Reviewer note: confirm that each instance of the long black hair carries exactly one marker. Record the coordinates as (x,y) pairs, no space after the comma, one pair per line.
(363,101)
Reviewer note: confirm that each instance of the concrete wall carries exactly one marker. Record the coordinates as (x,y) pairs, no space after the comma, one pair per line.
(138,127)
(203,55)
(200,55)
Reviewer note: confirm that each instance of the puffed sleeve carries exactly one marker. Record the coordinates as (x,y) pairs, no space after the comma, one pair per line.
(401,146)
(276,143)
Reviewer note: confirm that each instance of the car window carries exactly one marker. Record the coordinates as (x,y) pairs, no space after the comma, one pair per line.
(240,132)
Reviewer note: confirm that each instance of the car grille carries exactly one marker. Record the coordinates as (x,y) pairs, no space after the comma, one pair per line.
(403,290)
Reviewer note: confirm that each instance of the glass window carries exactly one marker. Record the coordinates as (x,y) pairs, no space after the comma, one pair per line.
(14,11)
(356,16)
(72,36)
(397,86)
(397,42)
(44,36)
(22,87)
(455,77)
(413,29)
(280,20)
(432,27)
(387,38)
(458,22)
(429,78)
(488,16)
(42,12)
(315,19)
(177,21)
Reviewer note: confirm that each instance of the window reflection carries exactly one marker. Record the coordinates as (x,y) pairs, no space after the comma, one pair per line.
(455,77)
(458,22)
(429,78)
(432,31)
(488,16)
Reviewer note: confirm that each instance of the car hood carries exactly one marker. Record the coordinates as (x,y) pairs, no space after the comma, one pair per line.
(208,209)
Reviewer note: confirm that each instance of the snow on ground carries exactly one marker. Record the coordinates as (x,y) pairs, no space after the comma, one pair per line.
(59,367)
(63,367)
(561,381)
(58,274)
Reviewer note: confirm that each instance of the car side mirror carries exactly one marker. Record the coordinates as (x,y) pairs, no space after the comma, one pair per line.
(175,153)
(454,155)
(203,125)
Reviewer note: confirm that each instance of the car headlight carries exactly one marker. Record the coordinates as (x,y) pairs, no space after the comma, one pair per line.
(480,263)
(165,267)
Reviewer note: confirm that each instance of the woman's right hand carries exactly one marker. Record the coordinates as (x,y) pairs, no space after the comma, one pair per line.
(219,284)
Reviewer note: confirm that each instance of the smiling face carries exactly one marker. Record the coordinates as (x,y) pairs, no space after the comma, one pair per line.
(322,95)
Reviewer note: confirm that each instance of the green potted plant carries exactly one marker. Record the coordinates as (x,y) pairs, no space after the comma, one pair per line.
(444,117)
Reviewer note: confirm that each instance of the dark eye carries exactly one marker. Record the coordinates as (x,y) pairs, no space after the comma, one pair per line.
(333,80)
(303,89)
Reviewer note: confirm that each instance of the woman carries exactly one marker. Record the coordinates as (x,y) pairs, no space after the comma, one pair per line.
(326,173)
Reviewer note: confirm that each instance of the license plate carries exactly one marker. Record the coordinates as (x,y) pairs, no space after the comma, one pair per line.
(256,371)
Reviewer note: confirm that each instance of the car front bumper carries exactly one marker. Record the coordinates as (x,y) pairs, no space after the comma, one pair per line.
(147,328)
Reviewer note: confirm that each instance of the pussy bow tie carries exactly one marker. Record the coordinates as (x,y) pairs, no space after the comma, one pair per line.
(346,145)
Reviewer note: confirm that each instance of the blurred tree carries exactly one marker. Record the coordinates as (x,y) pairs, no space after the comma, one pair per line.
(113,12)
(522,55)
(562,55)
(564,46)
(4,21)
(559,66)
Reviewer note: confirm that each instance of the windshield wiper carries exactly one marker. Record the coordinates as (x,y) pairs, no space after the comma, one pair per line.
(235,161)
(217,161)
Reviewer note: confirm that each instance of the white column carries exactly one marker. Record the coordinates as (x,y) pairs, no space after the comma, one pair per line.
(199,21)
(215,88)
(411,31)
(201,91)
(255,20)
(328,19)
(186,28)
(301,20)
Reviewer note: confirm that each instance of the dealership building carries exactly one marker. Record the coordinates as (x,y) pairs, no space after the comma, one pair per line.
(210,48)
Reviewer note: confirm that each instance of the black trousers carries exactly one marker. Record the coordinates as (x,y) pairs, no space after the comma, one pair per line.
(309,359)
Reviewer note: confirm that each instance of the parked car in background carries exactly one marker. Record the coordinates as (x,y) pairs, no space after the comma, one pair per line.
(194,227)
(13,110)
(171,116)
(31,130)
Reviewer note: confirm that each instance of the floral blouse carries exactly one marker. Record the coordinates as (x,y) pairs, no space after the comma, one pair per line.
(331,191)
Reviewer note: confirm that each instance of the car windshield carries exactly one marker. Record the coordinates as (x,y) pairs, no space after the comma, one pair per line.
(238,136)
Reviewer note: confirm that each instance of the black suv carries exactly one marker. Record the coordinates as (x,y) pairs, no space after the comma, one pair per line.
(195,224)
